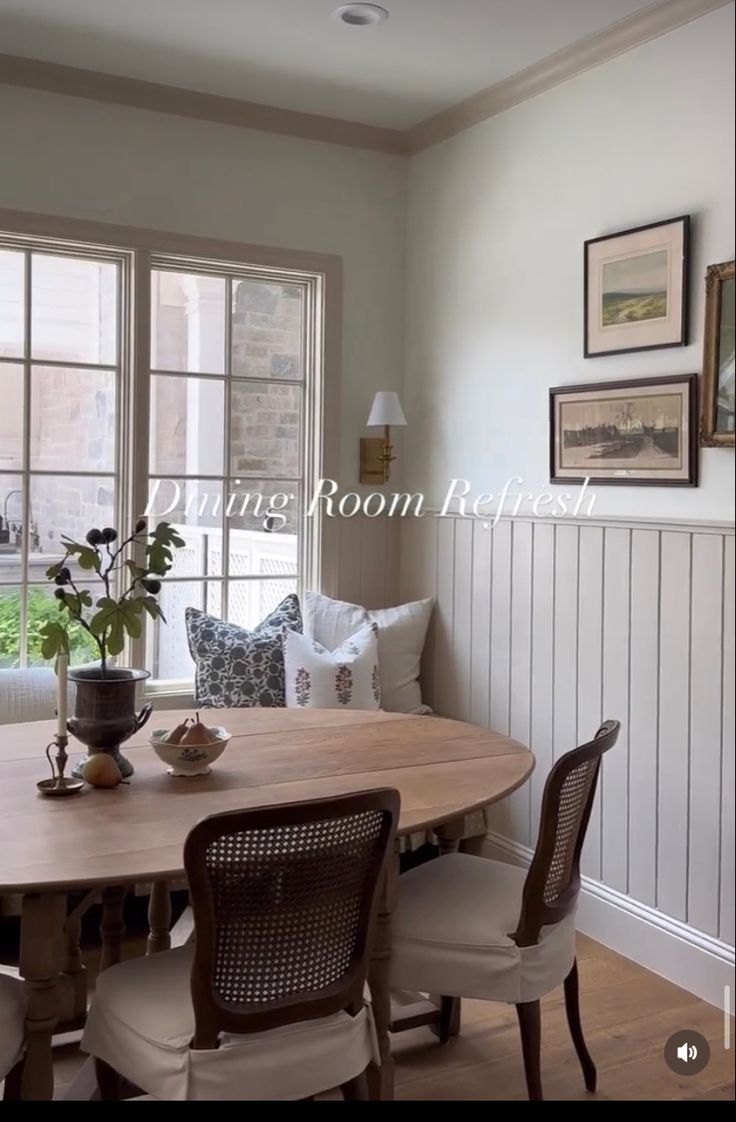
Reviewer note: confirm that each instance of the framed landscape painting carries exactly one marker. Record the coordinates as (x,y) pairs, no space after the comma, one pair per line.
(718,418)
(635,432)
(636,289)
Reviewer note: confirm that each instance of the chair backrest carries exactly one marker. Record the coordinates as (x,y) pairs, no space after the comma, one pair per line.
(284,901)
(553,881)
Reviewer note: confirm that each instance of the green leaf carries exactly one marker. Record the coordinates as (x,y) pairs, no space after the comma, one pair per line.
(114,620)
(54,570)
(88,558)
(55,640)
(158,551)
(136,572)
(152,606)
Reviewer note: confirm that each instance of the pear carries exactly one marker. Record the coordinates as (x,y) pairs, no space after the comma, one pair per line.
(197,733)
(100,770)
(176,735)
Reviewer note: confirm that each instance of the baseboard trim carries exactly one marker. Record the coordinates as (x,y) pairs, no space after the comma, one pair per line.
(700,963)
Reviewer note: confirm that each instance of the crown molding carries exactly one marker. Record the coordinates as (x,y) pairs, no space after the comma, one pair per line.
(647,24)
(113,89)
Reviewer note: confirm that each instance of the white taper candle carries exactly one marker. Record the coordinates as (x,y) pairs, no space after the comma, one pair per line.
(62,666)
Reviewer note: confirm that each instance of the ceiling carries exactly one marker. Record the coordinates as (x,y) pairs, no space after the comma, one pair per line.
(429,55)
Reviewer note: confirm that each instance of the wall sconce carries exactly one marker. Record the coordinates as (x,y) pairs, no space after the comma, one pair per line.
(376,453)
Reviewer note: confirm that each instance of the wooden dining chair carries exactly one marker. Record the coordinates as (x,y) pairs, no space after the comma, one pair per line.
(268,1002)
(469,927)
(12,1032)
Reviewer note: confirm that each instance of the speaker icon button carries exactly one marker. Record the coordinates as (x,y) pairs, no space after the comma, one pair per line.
(687,1052)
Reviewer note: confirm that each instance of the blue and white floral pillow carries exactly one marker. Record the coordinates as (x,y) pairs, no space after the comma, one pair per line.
(238,669)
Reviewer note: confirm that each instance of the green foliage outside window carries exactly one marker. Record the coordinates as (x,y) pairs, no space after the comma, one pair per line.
(41,609)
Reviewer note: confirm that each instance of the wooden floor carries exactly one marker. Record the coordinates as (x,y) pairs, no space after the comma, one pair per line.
(628,1014)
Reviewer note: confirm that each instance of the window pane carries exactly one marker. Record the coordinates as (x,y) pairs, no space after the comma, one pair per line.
(11,416)
(263,522)
(11,528)
(168,650)
(72,419)
(73,309)
(187,425)
(42,606)
(250,601)
(9,627)
(267,330)
(12,274)
(194,507)
(69,506)
(187,323)
(265,427)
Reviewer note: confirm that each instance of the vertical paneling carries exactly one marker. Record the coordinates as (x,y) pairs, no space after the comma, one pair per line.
(615,770)
(392,580)
(674,723)
(480,662)
(542,684)
(349,581)
(522,553)
(445,691)
(545,628)
(589,669)
(728,778)
(643,715)
(565,654)
(373,568)
(501,628)
(462,625)
(706,646)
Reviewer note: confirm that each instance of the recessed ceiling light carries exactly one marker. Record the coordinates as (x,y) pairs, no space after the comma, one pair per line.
(360,15)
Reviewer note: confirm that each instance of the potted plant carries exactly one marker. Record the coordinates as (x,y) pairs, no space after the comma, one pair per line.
(105,712)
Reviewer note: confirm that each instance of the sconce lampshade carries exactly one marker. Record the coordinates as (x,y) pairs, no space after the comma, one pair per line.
(386,410)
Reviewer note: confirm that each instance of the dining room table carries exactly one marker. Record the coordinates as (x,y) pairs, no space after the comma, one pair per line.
(60,855)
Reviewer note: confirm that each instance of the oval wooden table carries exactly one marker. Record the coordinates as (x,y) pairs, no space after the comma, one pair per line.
(60,854)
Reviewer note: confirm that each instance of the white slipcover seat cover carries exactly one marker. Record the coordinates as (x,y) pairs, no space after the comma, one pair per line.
(451,934)
(12,1021)
(141,1023)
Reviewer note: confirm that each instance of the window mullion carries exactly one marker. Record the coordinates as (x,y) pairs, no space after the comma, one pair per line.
(25,473)
(225,595)
(136,413)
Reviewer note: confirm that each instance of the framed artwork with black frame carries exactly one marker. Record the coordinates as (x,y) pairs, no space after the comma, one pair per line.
(636,289)
(638,432)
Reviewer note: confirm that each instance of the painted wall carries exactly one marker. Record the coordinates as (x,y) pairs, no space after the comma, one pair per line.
(79,159)
(497,217)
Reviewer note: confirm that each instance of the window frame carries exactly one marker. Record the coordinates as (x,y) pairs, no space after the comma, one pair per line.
(139,250)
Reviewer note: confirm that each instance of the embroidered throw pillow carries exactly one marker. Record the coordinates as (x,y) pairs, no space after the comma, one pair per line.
(346,678)
(239,669)
(401,634)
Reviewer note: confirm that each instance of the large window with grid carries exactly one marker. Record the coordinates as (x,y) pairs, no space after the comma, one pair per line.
(219,366)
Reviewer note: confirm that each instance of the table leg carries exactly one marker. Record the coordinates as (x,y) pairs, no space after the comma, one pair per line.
(74,968)
(41,951)
(159,918)
(449,836)
(381,1078)
(112,927)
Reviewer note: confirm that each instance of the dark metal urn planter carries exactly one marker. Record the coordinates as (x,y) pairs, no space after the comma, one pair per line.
(105,713)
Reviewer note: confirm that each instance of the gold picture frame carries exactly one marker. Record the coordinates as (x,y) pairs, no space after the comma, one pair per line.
(717,421)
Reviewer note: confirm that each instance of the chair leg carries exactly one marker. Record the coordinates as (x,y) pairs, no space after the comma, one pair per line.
(530,1024)
(356,1090)
(449,1020)
(572,1008)
(13,1080)
(109,1082)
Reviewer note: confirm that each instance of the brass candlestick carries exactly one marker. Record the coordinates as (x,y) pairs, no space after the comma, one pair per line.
(59,784)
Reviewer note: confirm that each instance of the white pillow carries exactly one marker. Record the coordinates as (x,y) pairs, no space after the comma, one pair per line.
(346,678)
(401,634)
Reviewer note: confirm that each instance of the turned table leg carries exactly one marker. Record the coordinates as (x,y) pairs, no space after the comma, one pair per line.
(381,1078)
(448,839)
(74,968)
(112,927)
(159,918)
(449,836)
(41,953)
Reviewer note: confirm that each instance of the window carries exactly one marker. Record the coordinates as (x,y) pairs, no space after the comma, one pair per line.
(226,389)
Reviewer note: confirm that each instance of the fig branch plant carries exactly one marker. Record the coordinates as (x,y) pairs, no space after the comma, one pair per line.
(110,619)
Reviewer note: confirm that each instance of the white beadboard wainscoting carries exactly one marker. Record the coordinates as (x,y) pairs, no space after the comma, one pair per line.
(543,628)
